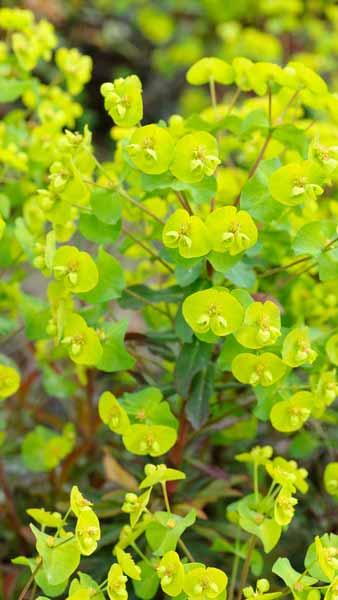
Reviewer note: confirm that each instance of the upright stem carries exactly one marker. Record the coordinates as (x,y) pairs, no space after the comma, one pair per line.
(246,565)
(165,496)
(150,251)
(213,93)
(30,580)
(235,566)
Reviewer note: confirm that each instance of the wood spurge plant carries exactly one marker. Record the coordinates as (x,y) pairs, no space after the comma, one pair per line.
(169,327)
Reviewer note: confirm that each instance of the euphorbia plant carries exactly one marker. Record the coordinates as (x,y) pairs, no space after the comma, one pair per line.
(232,323)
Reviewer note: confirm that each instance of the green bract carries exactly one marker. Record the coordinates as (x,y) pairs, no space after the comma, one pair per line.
(123,100)
(332,349)
(159,474)
(214,309)
(297,348)
(205,583)
(187,233)
(171,573)
(331,478)
(297,183)
(263,369)
(291,414)
(117,583)
(87,531)
(9,381)
(210,69)
(152,440)
(82,343)
(231,230)
(261,325)
(195,157)
(75,269)
(151,149)
(112,413)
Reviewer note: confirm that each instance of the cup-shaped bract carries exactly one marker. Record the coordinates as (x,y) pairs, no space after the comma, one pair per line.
(75,269)
(261,325)
(112,413)
(87,531)
(76,68)
(123,100)
(187,233)
(284,507)
(297,183)
(127,563)
(297,348)
(117,583)
(171,573)
(159,474)
(77,501)
(231,230)
(195,157)
(9,381)
(149,439)
(331,348)
(82,342)
(298,76)
(291,414)
(331,479)
(213,310)
(263,369)
(151,149)
(210,69)
(204,583)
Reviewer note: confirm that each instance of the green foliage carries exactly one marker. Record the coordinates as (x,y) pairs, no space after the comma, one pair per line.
(178,298)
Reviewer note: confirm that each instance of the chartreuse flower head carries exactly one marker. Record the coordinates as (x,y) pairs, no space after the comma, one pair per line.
(171,573)
(112,413)
(82,342)
(210,69)
(149,439)
(299,77)
(195,156)
(127,564)
(214,309)
(327,556)
(151,149)
(9,381)
(325,391)
(123,100)
(291,414)
(259,455)
(187,233)
(287,474)
(117,583)
(261,325)
(76,269)
(75,67)
(297,183)
(327,157)
(263,369)
(231,230)
(331,479)
(297,348)
(87,531)
(135,505)
(204,583)
(159,474)
(284,507)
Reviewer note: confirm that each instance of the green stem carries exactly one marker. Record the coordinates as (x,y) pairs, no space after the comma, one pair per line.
(140,553)
(150,251)
(256,489)
(212,89)
(165,496)
(186,550)
(30,580)
(246,565)
(235,565)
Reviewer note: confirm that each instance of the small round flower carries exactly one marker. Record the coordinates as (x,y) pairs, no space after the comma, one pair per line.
(151,149)
(331,479)
(297,183)
(117,583)
(331,348)
(9,381)
(87,531)
(204,583)
(214,309)
(112,413)
(171,573)
(284,507)
(195,156)
(231,230)
(187,233)
(76,269)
